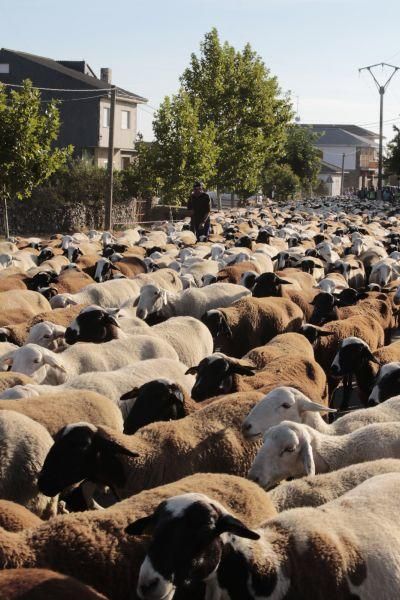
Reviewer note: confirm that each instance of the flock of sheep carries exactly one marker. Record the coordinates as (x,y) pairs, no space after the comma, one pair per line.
(167,420)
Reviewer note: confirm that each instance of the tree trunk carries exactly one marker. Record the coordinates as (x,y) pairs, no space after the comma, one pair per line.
(5,217)
(219,202)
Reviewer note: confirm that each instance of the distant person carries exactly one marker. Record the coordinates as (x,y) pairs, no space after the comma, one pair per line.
(199,205)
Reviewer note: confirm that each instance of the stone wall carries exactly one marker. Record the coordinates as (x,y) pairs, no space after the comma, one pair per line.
(27,219)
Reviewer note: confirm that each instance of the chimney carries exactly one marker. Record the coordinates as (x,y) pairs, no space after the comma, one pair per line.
(106,74)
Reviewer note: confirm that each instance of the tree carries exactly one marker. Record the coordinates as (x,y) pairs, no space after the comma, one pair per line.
(140,179)
(392,162)
(302,155)
(27,133)
(236,93)
(183,151)
(287,183)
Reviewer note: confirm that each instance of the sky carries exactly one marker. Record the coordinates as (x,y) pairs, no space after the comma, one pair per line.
(314,47)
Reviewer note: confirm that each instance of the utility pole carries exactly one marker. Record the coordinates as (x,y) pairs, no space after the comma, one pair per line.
(110,163)
(381,89)
(342,181)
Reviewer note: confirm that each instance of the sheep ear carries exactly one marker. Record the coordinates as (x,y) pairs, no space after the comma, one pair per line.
(307,458)
(282,281)
(113,320)
(131,394)
(139,527)
(192,370)
(242,369)
(49,359)
(371,357)
(164,297)
(305,404)
(59,331)
(105,444)
(229,524)
(136,301)
(323,333)
(8,359)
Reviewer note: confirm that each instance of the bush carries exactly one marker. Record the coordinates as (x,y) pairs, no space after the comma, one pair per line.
(287,184)
(82,182)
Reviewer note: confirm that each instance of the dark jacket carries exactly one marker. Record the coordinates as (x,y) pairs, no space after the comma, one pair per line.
(201,207)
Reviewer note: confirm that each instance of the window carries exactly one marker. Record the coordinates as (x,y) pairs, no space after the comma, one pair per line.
(125,119)
(4,68)
(106,116)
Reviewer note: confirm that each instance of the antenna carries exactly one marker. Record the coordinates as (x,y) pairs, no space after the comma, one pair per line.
(297,118)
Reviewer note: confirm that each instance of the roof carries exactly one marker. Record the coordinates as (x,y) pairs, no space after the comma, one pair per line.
(347,127)
(335,135)
(327,167)
(92,82)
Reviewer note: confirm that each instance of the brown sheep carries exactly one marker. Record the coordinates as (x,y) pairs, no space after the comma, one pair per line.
(60,316)
(42,584)
(284,345)
(94,547)
(234,274)
(251,322)
(56,410)
(10,379)
(71,281)
(12,282)
(17,306)
(15,517)
(221,374)
(327,338)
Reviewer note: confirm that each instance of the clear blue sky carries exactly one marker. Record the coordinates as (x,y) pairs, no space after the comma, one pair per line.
(313,46)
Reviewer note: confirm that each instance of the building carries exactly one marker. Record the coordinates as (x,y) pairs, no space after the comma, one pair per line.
(85,114)
(359,147)
(331,175)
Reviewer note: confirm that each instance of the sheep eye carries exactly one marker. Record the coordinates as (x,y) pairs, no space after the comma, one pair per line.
(46,337)
(36,360)
(286,405)
(289,449)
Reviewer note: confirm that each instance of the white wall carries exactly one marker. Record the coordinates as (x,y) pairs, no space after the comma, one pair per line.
(333,188)
(333,155)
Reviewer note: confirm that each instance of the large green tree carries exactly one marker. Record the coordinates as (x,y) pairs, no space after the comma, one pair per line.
(236,93)
(392,162)
(28,130)
(183,150)
(302,155)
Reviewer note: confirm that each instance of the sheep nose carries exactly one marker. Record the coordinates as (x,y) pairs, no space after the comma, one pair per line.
(246,427)
(148,586)
(372,403)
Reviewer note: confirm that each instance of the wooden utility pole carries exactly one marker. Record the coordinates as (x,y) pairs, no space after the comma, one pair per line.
(381,90)
(110,163)
(342,181)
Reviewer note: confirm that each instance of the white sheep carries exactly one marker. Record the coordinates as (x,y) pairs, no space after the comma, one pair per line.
(294,449)
(46,334)
(45,366)
(24,444)
(109,294)
(113,384)
(191,302)
(289,404)
(347,548)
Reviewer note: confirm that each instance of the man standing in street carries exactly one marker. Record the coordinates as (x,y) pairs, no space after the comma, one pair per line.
(199,206)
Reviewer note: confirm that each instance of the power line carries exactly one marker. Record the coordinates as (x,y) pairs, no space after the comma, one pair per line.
(72,99)
(57,89)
